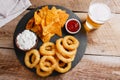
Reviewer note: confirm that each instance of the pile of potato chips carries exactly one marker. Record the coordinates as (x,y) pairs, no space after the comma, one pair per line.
(47,22)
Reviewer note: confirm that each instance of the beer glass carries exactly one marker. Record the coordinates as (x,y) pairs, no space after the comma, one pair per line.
(98,13)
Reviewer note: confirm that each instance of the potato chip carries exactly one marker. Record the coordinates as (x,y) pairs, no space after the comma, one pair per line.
(47,37)
(56,30)
(63,17)
(43,12)
(37,18)
(36,28)
(46,29)
(30,24)
(47,22)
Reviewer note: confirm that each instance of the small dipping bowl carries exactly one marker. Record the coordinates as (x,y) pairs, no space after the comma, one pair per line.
(72,26)
(26,40)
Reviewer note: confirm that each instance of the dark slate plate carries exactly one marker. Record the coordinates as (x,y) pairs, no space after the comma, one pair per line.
(81,36)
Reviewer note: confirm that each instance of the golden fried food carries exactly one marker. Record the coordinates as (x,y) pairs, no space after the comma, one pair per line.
(34,54)
(64,59)
(27,58)
(52,57)
(61,64)
(42,73)
(63,50)
(70,42)
(33,59)
(65,53)
(47,49)
(62,16)
(47,22)
(37,18)
(47,37)
(48,64)
(47,59)
(30,24)
(64,68)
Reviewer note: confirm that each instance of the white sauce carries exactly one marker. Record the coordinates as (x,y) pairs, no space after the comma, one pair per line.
(26,40)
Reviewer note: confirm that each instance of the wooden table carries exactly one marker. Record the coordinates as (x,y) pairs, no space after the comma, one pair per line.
(102,56)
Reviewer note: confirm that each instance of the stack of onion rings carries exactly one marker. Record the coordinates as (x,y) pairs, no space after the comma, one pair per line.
(67,48)
(57,57)
(63,58)
(44,65)
(64,51)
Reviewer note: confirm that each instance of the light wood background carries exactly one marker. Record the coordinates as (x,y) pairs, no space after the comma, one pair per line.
(102,56)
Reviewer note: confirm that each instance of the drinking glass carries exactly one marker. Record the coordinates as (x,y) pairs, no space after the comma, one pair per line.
(99,12)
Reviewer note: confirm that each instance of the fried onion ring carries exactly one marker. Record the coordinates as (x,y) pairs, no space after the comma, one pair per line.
(61,63)
(62,50)
(70,42)
(64,59)
(49,59)
(33,59)
(36,60)
(63,69)
(47,49)
(47,64)
(42,73)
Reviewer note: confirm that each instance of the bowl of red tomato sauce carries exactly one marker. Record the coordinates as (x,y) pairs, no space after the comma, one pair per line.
(72,26)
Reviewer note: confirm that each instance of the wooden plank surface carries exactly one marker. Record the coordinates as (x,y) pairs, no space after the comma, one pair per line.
(102,56)
(7,32)
(90,68)
(75,5)
(105,40)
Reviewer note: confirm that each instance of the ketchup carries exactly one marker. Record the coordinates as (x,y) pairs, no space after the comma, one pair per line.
(72,25)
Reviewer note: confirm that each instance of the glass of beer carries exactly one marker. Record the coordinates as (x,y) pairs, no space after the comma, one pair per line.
(99,12)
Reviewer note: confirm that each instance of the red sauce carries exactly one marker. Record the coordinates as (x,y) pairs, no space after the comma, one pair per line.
(73,26)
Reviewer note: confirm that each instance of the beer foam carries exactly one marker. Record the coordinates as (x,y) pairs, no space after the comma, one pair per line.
(99,12)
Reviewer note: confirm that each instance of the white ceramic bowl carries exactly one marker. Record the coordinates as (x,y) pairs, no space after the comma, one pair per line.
(26,40)
(78,23)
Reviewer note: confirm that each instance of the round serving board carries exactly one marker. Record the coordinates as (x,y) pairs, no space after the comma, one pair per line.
(81,36)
